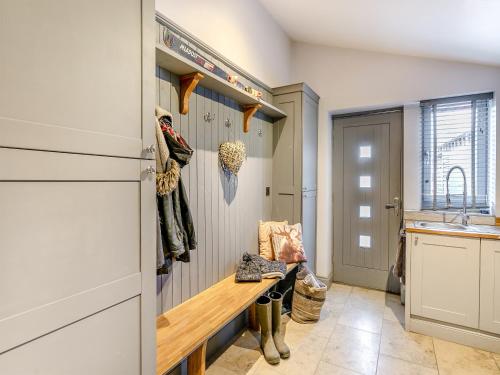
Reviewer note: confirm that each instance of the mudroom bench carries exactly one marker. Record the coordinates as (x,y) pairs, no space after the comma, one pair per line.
(184,330)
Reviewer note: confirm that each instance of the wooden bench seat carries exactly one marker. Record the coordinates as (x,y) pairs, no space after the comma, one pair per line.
(184,330)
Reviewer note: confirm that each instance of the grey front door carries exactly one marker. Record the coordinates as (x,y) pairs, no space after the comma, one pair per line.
(367,198)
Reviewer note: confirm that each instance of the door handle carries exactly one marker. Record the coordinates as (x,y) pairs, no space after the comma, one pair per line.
(396,204)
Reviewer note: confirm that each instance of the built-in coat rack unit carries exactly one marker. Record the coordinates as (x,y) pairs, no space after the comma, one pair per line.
(191,75)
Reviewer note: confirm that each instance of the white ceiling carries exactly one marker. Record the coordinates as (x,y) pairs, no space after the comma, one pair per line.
(464,30)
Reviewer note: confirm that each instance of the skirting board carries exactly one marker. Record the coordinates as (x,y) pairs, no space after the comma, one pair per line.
(475,339)
(326,280)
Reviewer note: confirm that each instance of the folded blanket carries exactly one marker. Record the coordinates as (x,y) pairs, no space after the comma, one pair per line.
(255,268)
(270,269)
(248,270)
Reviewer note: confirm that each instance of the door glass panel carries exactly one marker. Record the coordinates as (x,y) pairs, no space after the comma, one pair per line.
(365,151)
(365,181)
(364,211)
(365,241)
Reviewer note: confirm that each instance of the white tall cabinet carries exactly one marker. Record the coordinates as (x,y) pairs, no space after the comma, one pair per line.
(77,205)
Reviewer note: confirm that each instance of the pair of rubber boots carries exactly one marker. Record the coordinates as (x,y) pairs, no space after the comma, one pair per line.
(272,340)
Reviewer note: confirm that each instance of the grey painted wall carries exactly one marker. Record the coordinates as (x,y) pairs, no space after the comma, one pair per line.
(225,211)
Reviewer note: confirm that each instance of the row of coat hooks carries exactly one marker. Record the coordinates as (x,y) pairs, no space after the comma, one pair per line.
(209,117)
(189,82)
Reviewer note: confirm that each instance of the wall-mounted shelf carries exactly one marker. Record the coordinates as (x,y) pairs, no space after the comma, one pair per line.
(181,66)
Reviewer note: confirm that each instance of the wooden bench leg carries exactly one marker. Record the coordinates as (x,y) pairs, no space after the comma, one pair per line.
(197,360)
(253,322)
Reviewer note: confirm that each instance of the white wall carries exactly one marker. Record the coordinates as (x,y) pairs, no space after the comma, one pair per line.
(349,80)
(240,30)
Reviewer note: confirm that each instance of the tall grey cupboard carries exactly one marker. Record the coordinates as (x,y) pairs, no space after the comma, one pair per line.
(77,201)
(295,151)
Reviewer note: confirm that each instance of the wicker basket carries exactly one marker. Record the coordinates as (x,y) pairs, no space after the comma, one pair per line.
(308,300)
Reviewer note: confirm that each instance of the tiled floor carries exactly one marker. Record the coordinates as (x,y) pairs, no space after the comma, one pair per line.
(360,332)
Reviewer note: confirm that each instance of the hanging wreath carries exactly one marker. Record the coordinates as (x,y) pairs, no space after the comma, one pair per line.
(231,156)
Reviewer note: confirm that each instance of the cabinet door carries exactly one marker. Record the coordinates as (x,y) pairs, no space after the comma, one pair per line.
(71,74)
(309,227)
(490,286)
(445,279)
(309,144)
(287,159)
(76,238)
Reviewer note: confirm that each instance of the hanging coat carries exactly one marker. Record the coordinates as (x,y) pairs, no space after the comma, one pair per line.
(177,227)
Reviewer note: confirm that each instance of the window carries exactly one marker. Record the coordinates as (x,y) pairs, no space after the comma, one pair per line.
(456,132)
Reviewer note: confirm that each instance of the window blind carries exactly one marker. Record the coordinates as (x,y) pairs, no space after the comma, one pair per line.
(455,132)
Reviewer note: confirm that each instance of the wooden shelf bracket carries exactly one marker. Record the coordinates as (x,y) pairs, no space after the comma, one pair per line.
(188,84)
(249,111)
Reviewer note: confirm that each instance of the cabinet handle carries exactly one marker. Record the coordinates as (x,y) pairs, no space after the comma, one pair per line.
(416,240)
(151,149)
(150,170)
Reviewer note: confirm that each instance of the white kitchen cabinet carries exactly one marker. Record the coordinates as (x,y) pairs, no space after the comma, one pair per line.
(490,286)
(445,278)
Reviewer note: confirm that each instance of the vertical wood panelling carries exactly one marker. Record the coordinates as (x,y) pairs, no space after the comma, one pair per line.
(215,190)
(185,173)
(200,156)
(225,210)
(193,189)
(174,109)
(207,145)
(220,188)
(227,218)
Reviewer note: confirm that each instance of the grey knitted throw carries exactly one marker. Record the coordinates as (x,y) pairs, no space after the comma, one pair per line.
(255,268)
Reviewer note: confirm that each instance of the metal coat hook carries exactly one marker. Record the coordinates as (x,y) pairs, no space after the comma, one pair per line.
(209,117)
(259,132)
(227,123)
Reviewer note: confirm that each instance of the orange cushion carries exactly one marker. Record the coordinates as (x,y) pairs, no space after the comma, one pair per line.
(265,232)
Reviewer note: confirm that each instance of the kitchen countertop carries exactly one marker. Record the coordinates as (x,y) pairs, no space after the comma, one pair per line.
(471,231)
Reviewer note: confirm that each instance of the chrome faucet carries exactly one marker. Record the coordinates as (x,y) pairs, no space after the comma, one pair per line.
(465,217)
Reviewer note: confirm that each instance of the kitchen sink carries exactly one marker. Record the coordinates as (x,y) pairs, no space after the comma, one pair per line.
(456,227)
(443,226)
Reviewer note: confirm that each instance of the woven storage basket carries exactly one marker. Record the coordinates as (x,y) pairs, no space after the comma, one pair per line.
(307,301)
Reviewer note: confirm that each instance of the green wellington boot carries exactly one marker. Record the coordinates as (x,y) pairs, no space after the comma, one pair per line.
(278,333)
(264,316)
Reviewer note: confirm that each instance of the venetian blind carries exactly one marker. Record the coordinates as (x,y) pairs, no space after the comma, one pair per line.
(455,132)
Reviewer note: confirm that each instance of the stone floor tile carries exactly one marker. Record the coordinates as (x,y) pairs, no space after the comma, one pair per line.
(216,369)
(338,293)
(366,319)
(394,310)
(366,299)
(353,349)
(325,368)
(304,359)
(323,328)
(455,359)
(497,359)
(408,346)
(240,357)
(393,366)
